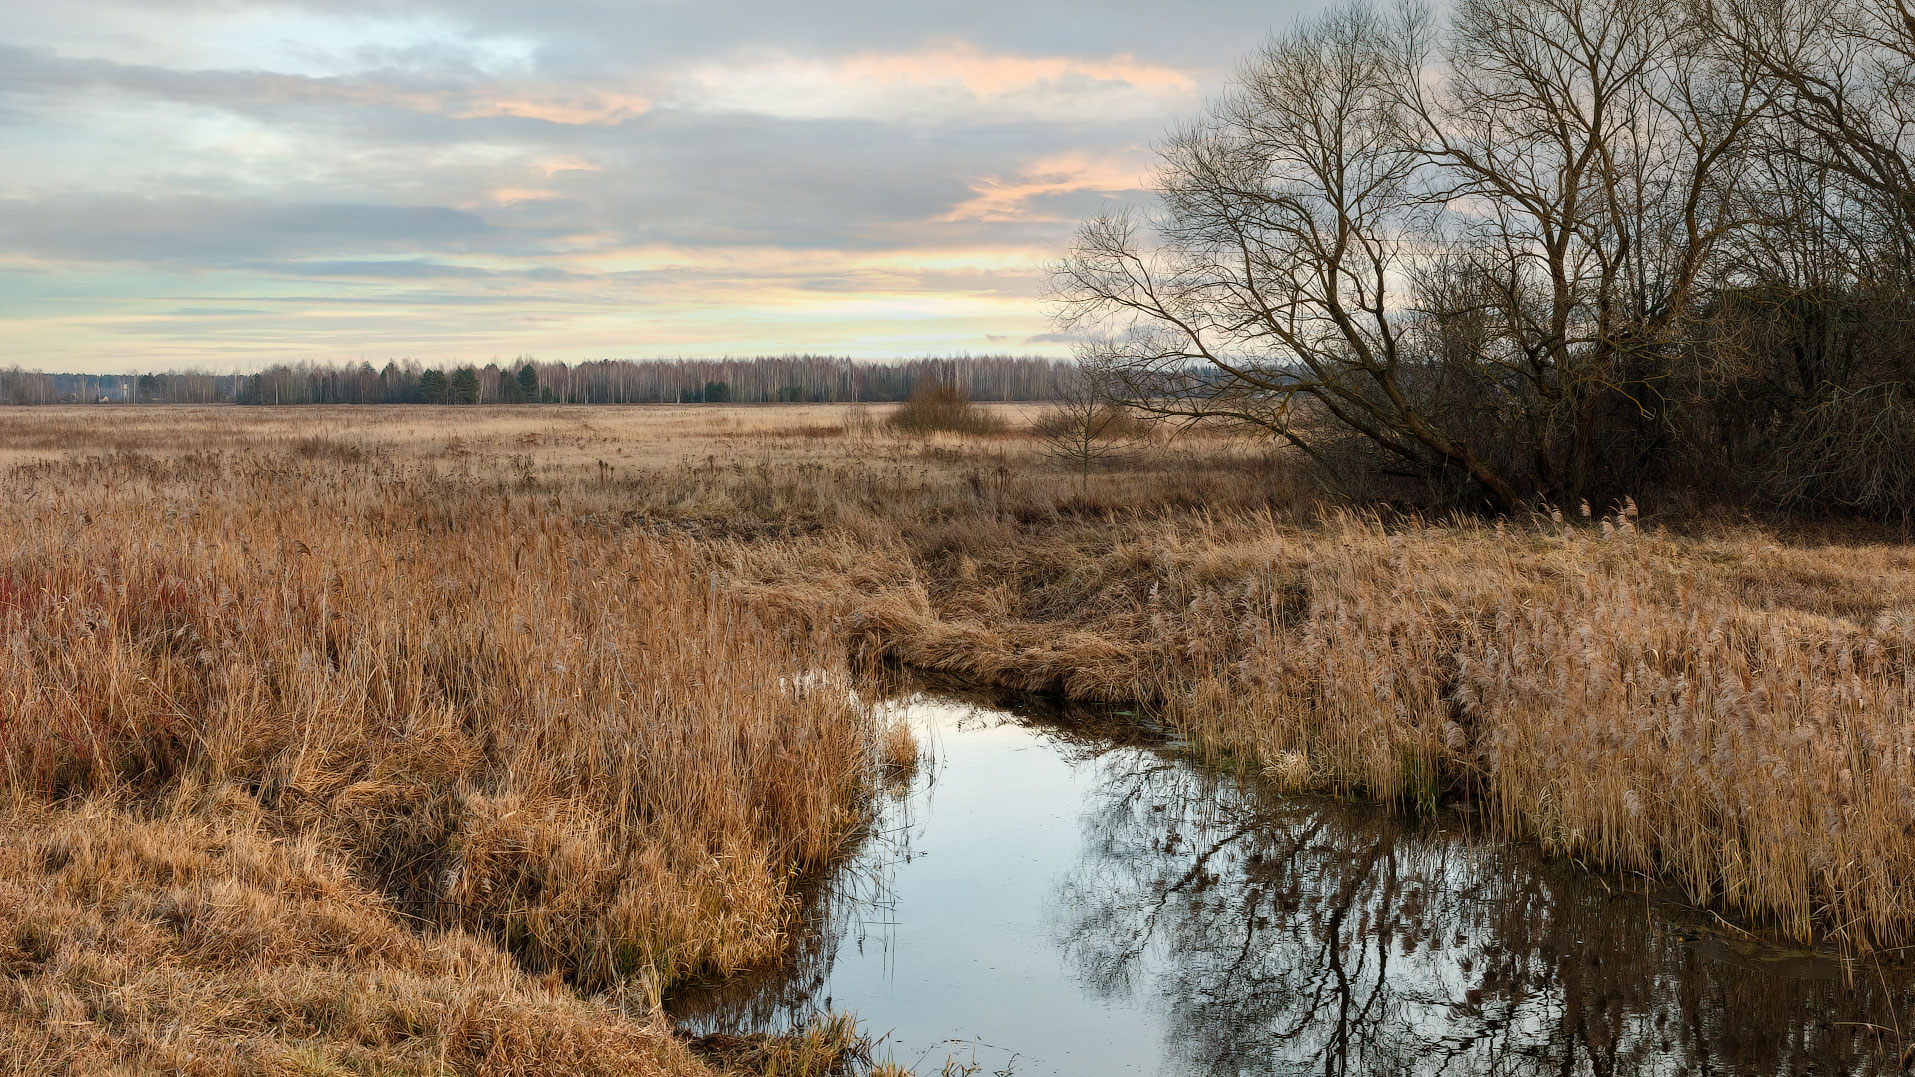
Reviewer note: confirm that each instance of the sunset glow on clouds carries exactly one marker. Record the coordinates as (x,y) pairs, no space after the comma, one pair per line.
(222,183)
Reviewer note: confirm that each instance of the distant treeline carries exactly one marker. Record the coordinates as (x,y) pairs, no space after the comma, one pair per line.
(33,387)
(767,379)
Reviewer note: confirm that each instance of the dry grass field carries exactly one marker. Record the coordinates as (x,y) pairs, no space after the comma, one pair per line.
(448,740)
(319,757)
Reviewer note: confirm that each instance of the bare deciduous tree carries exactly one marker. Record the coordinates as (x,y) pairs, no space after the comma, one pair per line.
(1272,287)
(1808,382)
(1579,147)
(1541,250)
(1469,245)
(1843,72)
(1086,425)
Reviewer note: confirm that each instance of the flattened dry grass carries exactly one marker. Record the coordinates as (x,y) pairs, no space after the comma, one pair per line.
(201,944)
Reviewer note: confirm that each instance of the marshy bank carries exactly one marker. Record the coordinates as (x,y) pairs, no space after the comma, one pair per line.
(1062,893)
(1722,710)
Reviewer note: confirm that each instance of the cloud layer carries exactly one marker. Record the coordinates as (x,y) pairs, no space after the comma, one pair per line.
(225,183)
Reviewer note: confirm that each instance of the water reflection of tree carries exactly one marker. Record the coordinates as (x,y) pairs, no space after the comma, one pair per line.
(1306,937)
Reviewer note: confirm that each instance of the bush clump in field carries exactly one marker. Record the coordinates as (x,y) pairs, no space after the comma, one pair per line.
(941,407)
(1086,426)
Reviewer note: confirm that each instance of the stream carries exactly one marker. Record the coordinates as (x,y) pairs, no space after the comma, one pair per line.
(1043,899)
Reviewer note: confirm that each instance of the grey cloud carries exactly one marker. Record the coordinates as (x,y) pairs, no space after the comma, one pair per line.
(378,163)
(401,299)
(670,176)
(402,103)
(109,228)
(405,269)
(618,33)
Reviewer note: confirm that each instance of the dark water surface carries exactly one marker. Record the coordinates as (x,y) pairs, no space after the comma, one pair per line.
(1047,901)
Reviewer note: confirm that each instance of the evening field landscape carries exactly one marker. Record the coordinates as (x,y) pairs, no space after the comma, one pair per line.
(1348,538)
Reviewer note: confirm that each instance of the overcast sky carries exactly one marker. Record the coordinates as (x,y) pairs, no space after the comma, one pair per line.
(224,183)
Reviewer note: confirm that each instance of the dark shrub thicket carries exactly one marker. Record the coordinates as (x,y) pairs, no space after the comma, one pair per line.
(941,407)
(1808,399)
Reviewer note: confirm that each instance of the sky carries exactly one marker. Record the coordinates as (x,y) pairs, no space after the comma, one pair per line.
(222,184)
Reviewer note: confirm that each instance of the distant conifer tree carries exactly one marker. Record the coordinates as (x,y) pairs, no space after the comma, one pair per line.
(465,386)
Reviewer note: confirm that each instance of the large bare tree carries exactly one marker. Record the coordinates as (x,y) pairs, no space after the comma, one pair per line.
(1465,246)
(1843,73)
(1580,147)
(1271,287)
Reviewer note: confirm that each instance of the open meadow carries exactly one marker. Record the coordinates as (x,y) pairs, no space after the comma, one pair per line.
(454,740)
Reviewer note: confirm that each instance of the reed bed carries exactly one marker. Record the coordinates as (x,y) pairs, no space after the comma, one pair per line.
(1647,704)
(548,681)
(1724,714)
(1721,709)
(318,761)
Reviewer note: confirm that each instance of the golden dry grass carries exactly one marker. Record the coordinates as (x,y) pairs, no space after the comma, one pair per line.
(468,659)
(293,718)
(898,749)
(204,945)
(1724,712)
(1723,709)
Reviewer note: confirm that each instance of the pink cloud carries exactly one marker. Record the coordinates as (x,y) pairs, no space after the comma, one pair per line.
(1007,199)
(589,109)
(990,74)
(954,79)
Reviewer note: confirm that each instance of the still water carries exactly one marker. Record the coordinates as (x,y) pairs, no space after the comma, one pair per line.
(1047,900)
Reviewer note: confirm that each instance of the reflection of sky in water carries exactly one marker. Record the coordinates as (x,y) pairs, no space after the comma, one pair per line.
(972,956)
(1067,907)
